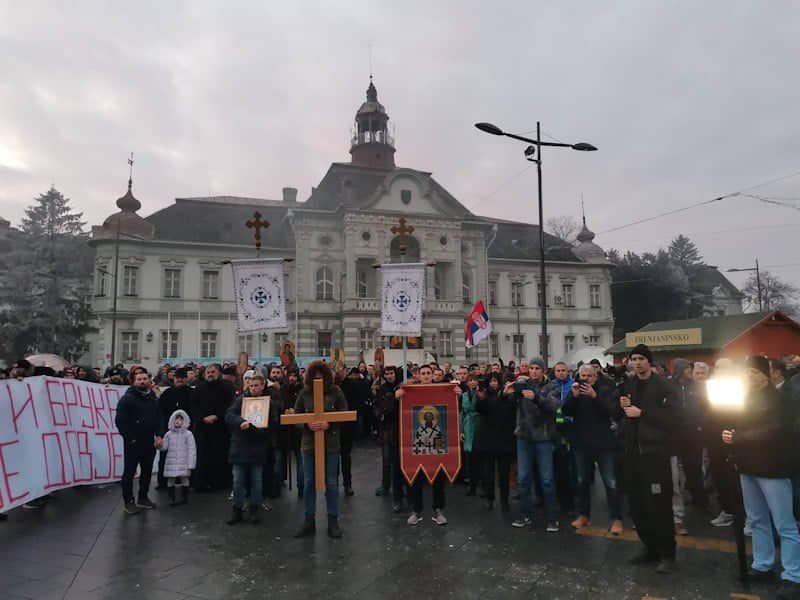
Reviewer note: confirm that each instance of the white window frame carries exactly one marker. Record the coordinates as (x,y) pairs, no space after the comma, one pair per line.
(569,343)
(446,342)
(246,342)
(172,282)
(324,283)
(594,340)
(366,339)
(130,346)
(362,285)
(169,341)
(594,295)
(492,293)
(466,287)
(101,287)
(494,345)
(210,284)
(518,345)
(517,295)
(568,295)
(323,350)
(130,276)
(208,344)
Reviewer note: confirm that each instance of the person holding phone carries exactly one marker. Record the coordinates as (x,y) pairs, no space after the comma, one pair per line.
(591,403)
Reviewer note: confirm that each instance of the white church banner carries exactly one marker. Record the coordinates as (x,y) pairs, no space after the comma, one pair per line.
(260,299)
(402,299)
(54,434)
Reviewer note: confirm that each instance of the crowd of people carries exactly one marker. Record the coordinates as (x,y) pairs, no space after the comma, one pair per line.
(654,437)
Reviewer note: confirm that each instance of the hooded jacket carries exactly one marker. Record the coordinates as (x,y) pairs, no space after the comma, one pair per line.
(180,447)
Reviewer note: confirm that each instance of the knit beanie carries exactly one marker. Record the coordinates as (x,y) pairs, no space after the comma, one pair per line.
(759,363)
(538,361)
(642,350)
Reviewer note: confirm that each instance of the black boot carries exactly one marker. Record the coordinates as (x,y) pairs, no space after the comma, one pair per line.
(334,530)
(253,514)
(309,528)
(236,517)
(185,494)
(171,496)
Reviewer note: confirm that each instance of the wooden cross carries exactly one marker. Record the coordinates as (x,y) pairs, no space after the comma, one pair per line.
(258,224)
(319,416)
(402,233)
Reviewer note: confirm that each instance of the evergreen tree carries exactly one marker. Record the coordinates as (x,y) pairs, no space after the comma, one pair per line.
(684,251)
(51,217)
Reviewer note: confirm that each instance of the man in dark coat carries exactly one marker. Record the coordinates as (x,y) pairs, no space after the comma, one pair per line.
(288,437)
(176,397)
(389,418)
(212,398)
(650,403)
(139,423)
(356,390)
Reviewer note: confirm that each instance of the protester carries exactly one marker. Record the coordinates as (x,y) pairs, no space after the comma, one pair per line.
(211,400)
(334,400)
(181,456)
(649,403)
(764,458)
(469,426)
(563,455)
(288,442)
(139,423)
(177,397)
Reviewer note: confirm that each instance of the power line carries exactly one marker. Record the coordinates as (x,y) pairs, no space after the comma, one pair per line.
(501,186)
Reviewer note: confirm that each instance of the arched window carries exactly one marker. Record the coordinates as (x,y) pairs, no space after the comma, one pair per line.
(466,287)
(324,283)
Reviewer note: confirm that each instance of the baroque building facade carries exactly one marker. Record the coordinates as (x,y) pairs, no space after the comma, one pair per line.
(174,294)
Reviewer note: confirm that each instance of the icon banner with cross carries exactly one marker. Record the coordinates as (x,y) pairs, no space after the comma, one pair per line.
(260,298)
(402,299)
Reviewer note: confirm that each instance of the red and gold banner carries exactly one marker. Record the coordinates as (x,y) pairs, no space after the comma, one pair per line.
(430,431)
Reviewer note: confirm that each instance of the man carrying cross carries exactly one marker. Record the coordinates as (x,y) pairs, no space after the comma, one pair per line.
(333,401)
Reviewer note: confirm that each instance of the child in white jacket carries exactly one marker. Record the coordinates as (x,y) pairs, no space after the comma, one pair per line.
(181,456)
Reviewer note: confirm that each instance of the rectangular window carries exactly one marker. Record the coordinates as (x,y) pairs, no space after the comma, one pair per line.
(101,287)
(366,339)
(130,346)
(362,287)
(324,343)
(169,344)
(247,343)
(494,345)
(542,346)
(172,283)
(519,345)
(594,295)
(539,294)
(211,285)
(569,343)
(208,344)
(492,293)
(446,341)
(567,297)
(129,276)
(279,339)
(466,288)
(594,340)
(516,294)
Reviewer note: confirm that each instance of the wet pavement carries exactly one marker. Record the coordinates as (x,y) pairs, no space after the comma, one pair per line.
(82,546)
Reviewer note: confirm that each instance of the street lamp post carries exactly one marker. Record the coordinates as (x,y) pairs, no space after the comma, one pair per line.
(534,154)
(758,282)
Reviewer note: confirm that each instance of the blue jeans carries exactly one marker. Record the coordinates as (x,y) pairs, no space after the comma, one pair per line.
(585,459)
(540,453)
(331,483)
(764,498)
(242,475)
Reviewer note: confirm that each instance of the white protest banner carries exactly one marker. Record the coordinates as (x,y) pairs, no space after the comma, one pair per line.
(54,434)
(260,299)
(402,299)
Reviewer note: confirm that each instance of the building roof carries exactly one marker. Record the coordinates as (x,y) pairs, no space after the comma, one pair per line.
(520,241)
(718,332)
(705,279)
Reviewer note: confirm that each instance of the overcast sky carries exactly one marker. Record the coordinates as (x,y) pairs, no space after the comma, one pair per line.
(686,101)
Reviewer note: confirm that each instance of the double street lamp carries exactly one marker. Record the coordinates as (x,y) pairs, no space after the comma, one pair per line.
(758,281)
(534,154)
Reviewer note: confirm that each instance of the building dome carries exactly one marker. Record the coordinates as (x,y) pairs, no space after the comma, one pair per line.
(586,249)
(126,222)
(371,106)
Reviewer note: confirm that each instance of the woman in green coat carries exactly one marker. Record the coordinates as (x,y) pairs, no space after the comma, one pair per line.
(469,425)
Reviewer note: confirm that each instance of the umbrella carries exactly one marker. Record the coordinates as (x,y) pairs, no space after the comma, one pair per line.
(54,361)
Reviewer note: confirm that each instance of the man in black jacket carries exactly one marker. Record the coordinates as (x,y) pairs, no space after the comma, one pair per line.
(649,403)
(139,423)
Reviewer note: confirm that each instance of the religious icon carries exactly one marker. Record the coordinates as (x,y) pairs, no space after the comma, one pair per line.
(430,436)
(256,411)
(413,342)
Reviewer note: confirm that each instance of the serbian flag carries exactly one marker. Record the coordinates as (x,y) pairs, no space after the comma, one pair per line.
(478,325)
(430,431)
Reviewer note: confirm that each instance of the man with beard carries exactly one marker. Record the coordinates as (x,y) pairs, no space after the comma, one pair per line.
(356,391)
(273,467)
(288,437)
(139,423)
(212,398)
(177,397)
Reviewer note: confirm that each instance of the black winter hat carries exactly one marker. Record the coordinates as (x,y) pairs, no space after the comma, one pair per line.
(642,350)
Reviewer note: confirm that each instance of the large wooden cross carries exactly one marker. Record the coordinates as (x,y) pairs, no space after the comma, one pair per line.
(319,416)
(402,234)
(258,224)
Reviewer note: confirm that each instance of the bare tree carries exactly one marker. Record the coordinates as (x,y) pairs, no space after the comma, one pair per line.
(564,228)
(775,294)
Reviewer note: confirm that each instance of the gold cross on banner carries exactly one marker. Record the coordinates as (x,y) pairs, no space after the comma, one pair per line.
(258,224)
(402,234)
(319,416)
